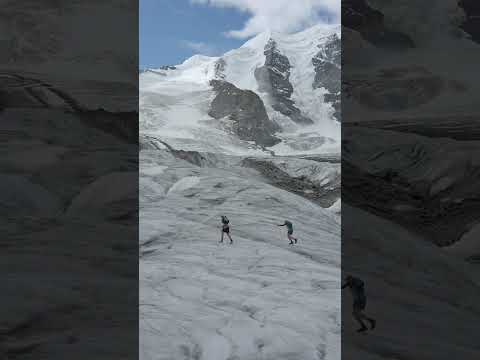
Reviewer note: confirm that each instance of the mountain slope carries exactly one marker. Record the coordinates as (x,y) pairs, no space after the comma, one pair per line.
(405,60)
(282,70)
(249,135)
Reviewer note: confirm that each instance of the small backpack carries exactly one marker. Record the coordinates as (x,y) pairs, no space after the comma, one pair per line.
(359,284)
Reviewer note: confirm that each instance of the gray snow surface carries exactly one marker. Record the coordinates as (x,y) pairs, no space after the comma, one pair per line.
(259,298)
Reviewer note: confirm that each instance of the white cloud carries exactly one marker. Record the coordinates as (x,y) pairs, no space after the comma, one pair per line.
(279,15)
(200,47)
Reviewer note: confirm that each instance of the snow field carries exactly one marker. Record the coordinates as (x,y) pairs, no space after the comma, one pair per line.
(259,298)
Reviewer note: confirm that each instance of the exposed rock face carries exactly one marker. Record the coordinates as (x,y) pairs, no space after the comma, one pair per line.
(325,196)
(193,157)
(327,64)
(245,113)
(273,79)
(358,15)
(429,185)
(219,69)
(471,23)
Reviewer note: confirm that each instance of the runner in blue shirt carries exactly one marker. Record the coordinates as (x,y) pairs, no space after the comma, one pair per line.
(289,226)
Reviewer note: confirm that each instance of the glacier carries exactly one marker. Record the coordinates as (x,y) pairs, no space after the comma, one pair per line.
(258,298)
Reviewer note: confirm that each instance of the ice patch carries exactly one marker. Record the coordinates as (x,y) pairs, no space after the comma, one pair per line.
(336,207)
(184,184)
(154,170)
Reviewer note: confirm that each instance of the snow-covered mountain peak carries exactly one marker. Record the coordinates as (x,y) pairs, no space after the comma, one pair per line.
(296,86)
(196,69)
(313,33)
(258,41)
(196,60)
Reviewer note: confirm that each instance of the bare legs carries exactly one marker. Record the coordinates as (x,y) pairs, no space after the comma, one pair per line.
(291,238)
(228,234)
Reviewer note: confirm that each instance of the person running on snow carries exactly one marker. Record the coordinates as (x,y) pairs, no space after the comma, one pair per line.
(289,226)
(357,288)
(226,228)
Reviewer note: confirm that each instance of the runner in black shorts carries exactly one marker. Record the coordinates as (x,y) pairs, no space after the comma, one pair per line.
(226,228)
(359,301)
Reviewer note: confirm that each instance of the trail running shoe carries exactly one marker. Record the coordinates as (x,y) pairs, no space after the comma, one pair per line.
(362,329)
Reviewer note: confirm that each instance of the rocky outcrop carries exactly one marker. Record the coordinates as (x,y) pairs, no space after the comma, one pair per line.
(471,22)
(193,157)
(428,185)
(273,79)
(325,196)
(244,113)
(327,64)
(219,69)
(359,16)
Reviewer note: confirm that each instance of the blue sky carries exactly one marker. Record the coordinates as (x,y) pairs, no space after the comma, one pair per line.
(173,30)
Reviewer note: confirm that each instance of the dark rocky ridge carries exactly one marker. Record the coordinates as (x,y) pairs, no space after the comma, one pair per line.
(327,64)
(471,23)
(168,67)
(325,195)
(302,186)
(193,157)
(443,217)
(246,112)
(442,222)
(219,69)
(273,79)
